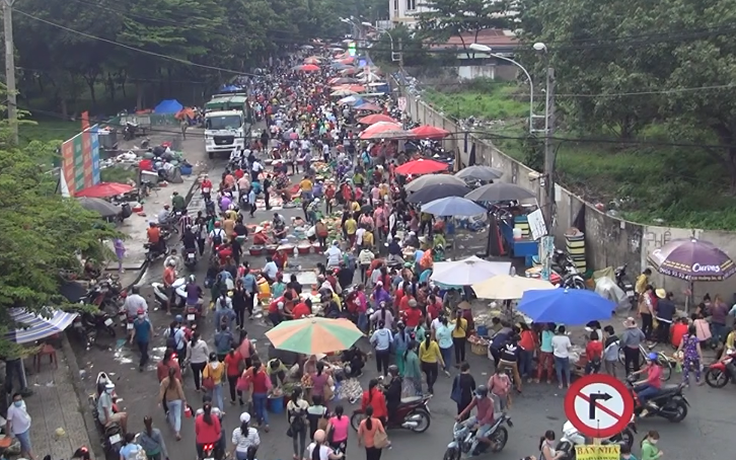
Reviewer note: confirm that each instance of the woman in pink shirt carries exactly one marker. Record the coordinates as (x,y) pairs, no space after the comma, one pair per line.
(246,349)
(337,430)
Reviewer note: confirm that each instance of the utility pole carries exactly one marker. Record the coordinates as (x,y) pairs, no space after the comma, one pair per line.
(10,68)
(549,151)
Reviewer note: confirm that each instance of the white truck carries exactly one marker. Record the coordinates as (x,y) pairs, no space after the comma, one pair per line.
(228,120)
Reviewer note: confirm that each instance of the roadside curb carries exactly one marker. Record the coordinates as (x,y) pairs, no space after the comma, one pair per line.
(82,397)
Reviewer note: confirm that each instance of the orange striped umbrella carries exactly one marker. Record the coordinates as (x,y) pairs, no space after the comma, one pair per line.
(314,335)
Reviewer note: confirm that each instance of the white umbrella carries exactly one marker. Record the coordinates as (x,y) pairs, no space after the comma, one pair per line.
(468,271)
(508,287)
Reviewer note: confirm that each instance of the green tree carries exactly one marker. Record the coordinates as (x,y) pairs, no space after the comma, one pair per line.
(454,18)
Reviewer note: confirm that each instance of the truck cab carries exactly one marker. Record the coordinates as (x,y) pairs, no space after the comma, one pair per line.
(227,124)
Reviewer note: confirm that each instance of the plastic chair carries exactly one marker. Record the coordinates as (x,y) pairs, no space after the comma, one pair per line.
(46,350)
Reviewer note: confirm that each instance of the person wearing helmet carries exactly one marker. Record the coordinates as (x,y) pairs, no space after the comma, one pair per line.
(649,388)
(106,413)
(483,418)
(194,292)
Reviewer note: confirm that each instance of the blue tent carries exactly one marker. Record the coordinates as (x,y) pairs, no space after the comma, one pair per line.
(230,89)
(168,106)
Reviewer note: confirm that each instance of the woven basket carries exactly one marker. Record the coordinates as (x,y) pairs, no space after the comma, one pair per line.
(478,349)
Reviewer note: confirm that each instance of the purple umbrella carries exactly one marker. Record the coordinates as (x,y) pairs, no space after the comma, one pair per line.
(692,260)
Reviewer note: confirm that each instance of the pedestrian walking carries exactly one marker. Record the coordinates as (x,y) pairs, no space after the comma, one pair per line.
(500,387)
(245,439)
(119,253)
(296,411)
(429,356)
(240,303)
(649,448)
(692,355)
(261,385)
(610,350)
(213,376)
(381,340)
(19,424)
(371,435)
(171,392)
(631,341)
(152,442)
(463,386)
(412,369)
(338,429)
(527,346)
(234,365)
(646,310)
(198,353)
(546,358)
(459,338)
(142,332)
(443,334)
(561,346)
(224,341)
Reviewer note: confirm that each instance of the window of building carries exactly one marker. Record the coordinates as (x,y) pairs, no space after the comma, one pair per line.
(411,5)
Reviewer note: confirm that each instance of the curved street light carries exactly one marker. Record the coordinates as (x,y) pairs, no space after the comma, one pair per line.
(541,47)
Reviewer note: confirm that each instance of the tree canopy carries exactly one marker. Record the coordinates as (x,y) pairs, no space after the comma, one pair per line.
(41,233)
(104,56)
(629,65)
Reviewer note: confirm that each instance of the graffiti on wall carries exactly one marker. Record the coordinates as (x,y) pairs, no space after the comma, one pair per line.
(657,239)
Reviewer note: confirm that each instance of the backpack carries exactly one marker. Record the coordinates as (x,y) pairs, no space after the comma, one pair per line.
(171,340)
(217,236)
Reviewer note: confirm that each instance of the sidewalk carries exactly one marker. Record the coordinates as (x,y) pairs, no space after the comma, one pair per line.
(58,427)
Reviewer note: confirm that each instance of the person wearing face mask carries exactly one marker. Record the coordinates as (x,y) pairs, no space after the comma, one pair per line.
(105,412)
(19,424)
(649,449)
(483,417)
(142,332)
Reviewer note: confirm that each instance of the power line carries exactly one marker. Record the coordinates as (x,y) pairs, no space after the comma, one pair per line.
(132,48)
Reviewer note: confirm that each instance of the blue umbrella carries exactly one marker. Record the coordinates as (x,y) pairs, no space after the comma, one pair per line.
(568,306)
(453,206)
(32,327)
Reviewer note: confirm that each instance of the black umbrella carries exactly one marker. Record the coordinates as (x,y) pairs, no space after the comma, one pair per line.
(104,208)
(501,191)
(479,173)
(435,192)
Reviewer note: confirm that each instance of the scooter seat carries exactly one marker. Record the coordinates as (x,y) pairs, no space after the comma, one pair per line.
(410,400)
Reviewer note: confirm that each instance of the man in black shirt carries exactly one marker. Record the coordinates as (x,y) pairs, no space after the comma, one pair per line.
(267,190)
(345,276)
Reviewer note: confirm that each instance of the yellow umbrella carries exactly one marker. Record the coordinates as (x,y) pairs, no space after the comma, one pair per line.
(507,287)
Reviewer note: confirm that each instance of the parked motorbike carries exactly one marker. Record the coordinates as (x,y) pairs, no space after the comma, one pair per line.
(463,438)
(106,293)
(623,281)
(111,435)
(96,323)
(722,371)
(670,402)
(571,437)
(564,266)
(412,414)
(159,294)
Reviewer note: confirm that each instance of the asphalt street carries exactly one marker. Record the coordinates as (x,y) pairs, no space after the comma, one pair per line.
(538,409)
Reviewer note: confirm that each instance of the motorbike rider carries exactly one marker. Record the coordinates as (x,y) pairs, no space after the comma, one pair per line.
(208,430)
(174,259)
(206,399)
(189,240)
(483,419)
(105,411)
(648,388)
(393,392)
(154,238)
(194,293)
(164,215)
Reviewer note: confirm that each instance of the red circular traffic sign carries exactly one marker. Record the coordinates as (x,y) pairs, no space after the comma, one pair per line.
(599,406)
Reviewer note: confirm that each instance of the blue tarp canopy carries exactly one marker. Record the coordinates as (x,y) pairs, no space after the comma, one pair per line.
(168,106)
(231,89)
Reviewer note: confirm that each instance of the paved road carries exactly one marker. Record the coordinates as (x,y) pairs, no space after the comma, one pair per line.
(538,409)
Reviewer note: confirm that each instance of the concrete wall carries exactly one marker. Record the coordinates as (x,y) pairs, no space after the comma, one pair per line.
(609,241)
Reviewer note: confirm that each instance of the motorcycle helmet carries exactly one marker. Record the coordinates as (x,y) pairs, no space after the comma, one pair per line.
(481,391)
(393,370)
(653,357)
(192,279)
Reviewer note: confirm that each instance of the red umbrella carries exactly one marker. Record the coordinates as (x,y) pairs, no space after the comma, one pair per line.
(104,190)
(383,130)
(429,132)
(368,107)
(308,68)
(421,166)
(375,118)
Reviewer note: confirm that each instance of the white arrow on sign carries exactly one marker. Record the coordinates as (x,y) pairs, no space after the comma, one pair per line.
(599,406)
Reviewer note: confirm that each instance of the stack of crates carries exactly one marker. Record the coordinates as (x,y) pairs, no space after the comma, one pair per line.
(575,245)
(522,223)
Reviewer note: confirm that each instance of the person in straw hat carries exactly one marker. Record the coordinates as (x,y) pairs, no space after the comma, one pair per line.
(631,339)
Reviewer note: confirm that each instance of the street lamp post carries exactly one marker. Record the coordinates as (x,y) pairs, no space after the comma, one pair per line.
(549,113)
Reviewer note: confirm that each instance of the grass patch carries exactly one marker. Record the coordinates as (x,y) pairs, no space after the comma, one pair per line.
(48,131)
(674,186)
